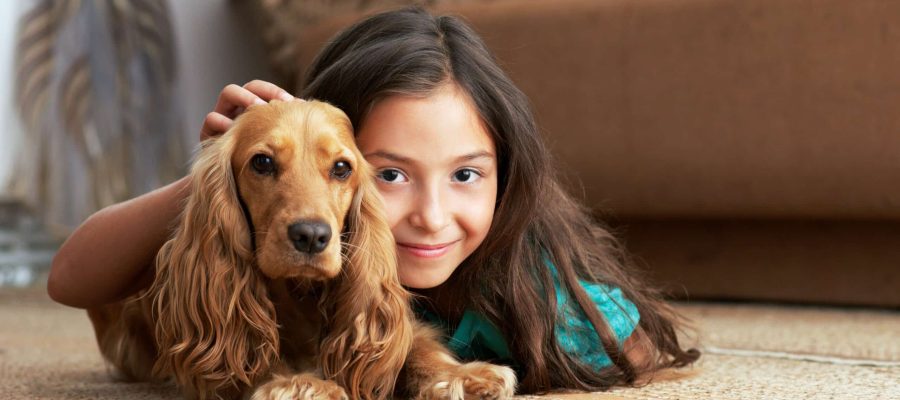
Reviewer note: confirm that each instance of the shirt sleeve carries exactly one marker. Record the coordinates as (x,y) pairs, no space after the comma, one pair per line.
(574,332)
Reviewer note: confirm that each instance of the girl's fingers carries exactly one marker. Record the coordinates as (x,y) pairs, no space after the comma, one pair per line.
(234,97)
(267,91)
(214,124)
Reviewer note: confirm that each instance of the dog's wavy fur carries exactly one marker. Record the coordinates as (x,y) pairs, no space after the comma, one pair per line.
(229,314)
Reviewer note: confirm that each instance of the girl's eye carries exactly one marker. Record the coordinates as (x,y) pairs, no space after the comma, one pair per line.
(341,170)
(391,175)
(263,164)
(466,175)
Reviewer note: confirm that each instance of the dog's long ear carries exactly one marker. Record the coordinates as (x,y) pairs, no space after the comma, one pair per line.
(215,324)
(369,330)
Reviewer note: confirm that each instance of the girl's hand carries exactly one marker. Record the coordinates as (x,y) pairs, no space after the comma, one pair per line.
(234,99)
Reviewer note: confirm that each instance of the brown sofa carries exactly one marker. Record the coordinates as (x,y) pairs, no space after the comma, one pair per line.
(744,149)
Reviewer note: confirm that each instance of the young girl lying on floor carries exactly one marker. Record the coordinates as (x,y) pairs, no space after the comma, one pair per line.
(505,261)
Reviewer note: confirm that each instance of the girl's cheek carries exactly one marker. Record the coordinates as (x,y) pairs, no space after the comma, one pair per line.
(481,207)
(394,204)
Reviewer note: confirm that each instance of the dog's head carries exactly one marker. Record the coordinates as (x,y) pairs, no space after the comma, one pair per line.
(284,194)
(297,171)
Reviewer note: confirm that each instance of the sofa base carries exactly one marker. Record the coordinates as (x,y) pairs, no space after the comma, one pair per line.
(843,263)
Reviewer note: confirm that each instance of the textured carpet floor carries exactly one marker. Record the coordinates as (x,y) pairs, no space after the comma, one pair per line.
(47,351)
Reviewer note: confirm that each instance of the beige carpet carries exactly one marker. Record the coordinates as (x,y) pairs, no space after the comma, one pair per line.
(47,351)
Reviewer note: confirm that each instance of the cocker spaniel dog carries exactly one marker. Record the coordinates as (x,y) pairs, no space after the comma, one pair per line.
(280,280)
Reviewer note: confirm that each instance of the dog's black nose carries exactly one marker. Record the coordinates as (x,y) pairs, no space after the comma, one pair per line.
(309,237)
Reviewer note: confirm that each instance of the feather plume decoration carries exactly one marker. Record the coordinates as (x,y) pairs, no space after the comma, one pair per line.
(95,84)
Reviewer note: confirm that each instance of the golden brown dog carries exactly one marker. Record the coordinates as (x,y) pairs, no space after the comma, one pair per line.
(280,281)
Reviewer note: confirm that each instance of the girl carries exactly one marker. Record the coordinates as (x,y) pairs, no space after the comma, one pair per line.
(508,264)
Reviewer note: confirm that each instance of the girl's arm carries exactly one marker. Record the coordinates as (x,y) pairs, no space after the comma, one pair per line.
(110,256)
(637,349)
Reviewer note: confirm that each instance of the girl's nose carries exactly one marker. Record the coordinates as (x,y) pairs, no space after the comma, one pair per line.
(430,214)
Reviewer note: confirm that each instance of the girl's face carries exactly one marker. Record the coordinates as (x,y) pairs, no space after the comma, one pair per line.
(436,168)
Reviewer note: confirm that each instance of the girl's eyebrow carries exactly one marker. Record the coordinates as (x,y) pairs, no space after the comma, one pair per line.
(406,160)
(389,156)
(475,155)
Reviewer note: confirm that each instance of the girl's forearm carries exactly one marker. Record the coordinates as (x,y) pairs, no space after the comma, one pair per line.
(111,255)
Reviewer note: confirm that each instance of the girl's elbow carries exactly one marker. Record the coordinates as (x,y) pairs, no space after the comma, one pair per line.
(58,286)
(63,281)
(638,350)
(54,287)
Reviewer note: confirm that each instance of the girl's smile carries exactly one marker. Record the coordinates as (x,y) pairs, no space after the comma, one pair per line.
(426,251)
(436,168)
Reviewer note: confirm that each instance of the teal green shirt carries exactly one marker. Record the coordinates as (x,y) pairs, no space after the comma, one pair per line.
(476,338)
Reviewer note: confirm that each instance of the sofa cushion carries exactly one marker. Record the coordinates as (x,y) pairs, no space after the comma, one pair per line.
(701,108)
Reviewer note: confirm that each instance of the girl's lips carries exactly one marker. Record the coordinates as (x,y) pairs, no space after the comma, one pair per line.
(426,250)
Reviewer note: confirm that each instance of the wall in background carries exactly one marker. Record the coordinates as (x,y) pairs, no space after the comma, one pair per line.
(216,46)
(10,130)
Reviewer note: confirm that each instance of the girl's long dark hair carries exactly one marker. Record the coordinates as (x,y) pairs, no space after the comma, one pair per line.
(410,52)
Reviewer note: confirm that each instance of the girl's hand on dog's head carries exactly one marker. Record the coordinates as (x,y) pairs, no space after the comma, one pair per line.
(234,99)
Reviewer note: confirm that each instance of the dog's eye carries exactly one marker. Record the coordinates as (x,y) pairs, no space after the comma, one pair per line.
(341,170)
(263,164)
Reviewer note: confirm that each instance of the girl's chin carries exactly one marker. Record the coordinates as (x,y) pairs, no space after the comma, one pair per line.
(420,283)
(417,278)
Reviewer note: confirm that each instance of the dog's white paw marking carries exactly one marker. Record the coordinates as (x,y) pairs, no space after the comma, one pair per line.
(299,387)
(475,380)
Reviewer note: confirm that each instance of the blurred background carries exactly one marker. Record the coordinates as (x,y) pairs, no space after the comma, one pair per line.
(103,101)
(743,150)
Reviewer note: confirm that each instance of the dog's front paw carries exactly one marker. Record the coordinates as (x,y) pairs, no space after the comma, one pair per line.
(299,387)
(474,380)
